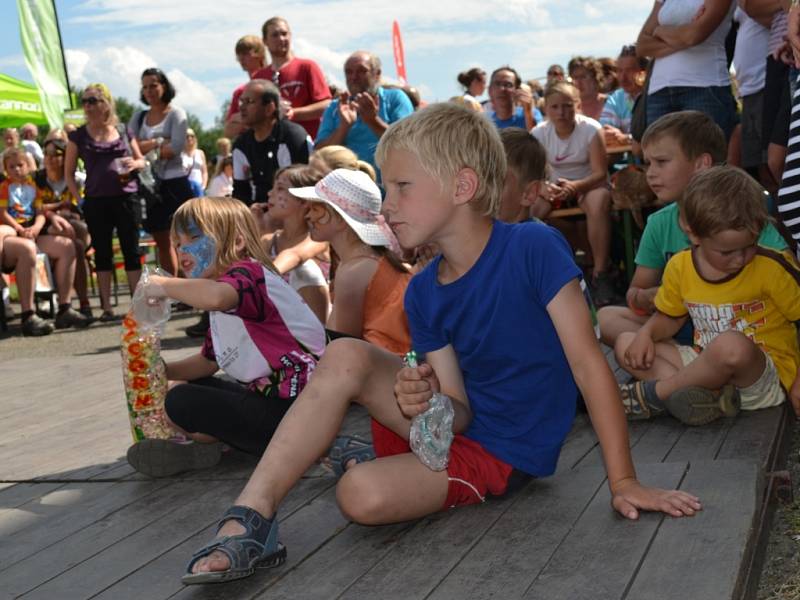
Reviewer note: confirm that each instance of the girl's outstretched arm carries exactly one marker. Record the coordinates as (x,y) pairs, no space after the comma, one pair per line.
(205,294)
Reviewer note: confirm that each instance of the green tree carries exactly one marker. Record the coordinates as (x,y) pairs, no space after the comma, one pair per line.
(125,109)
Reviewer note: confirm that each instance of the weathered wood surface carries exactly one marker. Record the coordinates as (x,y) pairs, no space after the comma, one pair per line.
(77,522)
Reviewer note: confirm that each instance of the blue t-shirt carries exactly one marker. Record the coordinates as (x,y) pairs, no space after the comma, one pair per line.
(516,375)
(393,105)
(516,120)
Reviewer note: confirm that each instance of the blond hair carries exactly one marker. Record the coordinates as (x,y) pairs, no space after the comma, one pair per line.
(563,88)
(14,152)
(223,220)
(250,44)
(722,198)
(340,157)
(111,117)
(446,138)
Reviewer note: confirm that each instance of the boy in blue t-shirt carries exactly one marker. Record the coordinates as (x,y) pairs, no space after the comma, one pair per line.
(676,146)
(507,336)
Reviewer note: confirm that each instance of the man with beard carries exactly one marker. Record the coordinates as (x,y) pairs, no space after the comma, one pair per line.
(269,143)
(300,80)
(362,113)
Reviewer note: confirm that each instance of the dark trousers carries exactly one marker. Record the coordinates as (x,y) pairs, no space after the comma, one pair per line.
(228,411)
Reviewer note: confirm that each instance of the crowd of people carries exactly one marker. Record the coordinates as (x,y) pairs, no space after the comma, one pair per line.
(341,229)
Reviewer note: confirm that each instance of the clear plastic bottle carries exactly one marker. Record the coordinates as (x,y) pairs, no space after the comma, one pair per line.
(432,431)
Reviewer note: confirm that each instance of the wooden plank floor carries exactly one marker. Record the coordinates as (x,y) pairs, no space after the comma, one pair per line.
(77,522)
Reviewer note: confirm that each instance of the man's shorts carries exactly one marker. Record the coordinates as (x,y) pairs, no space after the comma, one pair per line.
(474,474)
(765,392)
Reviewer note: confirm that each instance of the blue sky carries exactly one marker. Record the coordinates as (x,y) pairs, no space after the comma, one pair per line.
(192,40)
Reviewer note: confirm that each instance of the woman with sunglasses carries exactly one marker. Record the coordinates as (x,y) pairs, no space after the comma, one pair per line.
(110,194)
(160,132)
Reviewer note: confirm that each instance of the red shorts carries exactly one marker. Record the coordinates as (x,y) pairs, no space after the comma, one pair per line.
(473,473)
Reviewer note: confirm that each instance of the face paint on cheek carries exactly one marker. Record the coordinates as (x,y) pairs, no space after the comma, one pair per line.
(202,251)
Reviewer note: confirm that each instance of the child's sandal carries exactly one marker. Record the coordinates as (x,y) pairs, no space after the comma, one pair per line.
(634,401)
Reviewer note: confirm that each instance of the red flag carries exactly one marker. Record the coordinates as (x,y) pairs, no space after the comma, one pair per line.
(399,57)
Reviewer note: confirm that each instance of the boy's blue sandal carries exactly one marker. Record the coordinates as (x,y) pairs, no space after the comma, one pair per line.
(348,448)
(700,406)
(634,401)
(257,548)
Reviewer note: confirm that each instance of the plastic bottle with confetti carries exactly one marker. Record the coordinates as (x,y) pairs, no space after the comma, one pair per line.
(143,370)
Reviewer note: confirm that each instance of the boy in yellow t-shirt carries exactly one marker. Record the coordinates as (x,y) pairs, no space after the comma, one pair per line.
(743,301)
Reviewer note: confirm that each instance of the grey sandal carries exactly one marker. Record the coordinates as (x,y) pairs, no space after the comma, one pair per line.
(257,548)
(347,448)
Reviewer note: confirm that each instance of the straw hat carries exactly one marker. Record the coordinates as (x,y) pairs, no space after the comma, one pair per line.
(357,199)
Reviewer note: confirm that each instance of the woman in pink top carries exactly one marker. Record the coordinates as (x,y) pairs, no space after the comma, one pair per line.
(261,334)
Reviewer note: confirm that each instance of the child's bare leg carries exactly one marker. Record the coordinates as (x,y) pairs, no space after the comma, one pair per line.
(81,273)
(350,371)
(61,251)
(20,253)
(730,358)
(616,320)
(596,204)
(390,490)
(666,363)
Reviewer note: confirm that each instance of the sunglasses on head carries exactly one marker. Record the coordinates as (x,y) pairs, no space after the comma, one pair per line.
(90,100)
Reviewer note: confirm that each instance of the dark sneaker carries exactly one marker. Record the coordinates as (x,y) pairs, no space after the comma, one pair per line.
(36,326)
(164,458)
(86,311)
(699,406)
(603,292)
(200,328)
(71,318)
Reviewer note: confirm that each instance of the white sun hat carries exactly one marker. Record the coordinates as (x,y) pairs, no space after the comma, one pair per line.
(357,199)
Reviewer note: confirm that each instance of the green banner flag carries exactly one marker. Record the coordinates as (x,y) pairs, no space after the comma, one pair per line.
(41,45)
(19,103)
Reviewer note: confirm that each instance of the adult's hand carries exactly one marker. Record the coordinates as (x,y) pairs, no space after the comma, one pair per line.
(367,106)
(348,110)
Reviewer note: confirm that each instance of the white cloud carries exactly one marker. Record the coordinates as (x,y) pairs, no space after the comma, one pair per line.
(194,39)
(120,68)
(591,11)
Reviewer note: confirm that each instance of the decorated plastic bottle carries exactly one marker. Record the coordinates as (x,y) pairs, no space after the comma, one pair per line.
(143,372)
(432,431)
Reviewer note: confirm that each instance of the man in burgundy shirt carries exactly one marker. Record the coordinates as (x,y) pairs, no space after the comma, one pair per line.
(300,80)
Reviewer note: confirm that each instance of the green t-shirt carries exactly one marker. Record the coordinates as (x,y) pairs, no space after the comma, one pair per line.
(663,237)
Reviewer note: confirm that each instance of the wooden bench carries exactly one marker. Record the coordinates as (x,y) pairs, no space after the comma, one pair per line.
(76,521)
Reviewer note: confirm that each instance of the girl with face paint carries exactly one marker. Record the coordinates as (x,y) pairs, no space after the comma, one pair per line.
(261,334)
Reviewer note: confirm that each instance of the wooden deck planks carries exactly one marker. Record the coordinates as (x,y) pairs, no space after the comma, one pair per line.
(600,554)
(98,528)
(704,557)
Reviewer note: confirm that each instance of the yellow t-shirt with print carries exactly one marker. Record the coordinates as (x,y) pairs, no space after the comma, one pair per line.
(762,301)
